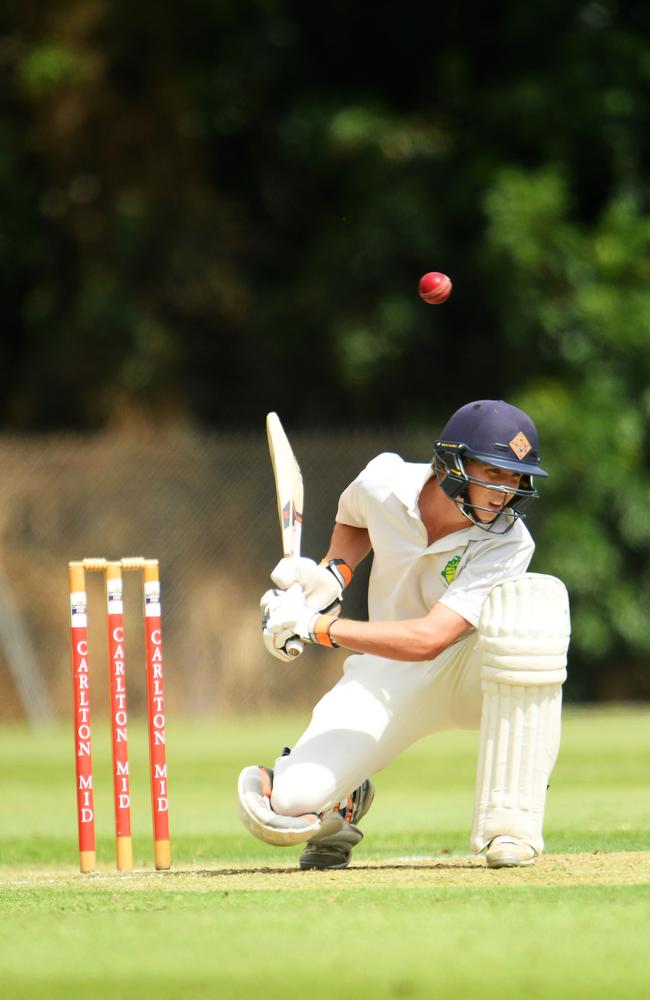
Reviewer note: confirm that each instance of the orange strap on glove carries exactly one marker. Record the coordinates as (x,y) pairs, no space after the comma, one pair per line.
(322,584)
(287,614)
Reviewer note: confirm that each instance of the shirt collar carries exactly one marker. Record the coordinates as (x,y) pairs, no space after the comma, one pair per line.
(407,491)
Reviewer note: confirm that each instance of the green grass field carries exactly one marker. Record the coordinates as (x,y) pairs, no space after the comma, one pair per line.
(416,916)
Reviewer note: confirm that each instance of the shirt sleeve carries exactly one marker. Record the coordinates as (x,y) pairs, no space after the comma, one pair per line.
(492,562)
(353,502)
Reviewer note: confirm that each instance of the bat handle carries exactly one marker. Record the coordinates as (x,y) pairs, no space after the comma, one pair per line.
(294,647)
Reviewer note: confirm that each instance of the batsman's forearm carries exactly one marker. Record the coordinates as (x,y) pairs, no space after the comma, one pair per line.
(395,640)
(348,543)
(409,640)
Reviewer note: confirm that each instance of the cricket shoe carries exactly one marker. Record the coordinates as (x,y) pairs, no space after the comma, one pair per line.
(509,852)
(335,851)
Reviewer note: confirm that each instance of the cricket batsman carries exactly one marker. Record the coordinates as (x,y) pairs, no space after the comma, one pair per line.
(459,635)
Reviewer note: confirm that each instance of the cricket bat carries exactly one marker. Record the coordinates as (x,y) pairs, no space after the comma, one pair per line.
(290,495)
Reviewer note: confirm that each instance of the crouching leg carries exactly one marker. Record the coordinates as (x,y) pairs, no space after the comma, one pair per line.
(329,835)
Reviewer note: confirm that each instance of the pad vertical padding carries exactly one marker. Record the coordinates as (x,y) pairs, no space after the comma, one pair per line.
(524,636)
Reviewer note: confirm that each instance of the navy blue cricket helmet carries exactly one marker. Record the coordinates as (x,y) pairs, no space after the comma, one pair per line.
(502,436)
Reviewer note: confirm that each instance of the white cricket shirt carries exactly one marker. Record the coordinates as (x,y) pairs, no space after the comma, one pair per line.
(409,576)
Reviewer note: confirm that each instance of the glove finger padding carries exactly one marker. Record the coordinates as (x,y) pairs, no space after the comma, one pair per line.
(276,642)
(321,584)
(286,615)
(287,571)
(271,599)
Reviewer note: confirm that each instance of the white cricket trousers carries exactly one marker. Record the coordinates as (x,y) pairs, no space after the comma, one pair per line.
(378,709)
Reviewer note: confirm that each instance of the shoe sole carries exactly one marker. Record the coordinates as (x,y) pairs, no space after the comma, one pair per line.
(509,863)
(323,868)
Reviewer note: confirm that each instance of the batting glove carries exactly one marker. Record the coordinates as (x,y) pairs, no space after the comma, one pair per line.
(291,617)
(322,584)
(276,642)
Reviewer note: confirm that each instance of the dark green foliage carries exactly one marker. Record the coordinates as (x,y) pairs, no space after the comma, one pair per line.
(212,209)
(579,296)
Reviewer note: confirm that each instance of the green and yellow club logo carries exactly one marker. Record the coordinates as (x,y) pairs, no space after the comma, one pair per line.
(448,573)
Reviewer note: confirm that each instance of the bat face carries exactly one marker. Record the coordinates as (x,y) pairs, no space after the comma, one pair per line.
(291,528)
(288,485)
(290,494)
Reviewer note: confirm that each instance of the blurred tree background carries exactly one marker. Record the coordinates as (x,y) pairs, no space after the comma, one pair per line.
(220,207)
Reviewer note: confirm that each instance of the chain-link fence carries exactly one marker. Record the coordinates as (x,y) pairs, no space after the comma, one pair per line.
(204,505)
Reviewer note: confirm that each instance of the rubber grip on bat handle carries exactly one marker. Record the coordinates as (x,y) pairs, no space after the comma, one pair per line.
(294,647)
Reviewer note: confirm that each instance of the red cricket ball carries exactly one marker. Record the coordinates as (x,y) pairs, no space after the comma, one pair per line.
(434,288)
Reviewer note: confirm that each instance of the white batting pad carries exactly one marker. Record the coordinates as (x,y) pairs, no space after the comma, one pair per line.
(265,824)
(523,638)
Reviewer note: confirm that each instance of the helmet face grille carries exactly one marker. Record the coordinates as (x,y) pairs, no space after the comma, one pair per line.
(455,481)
